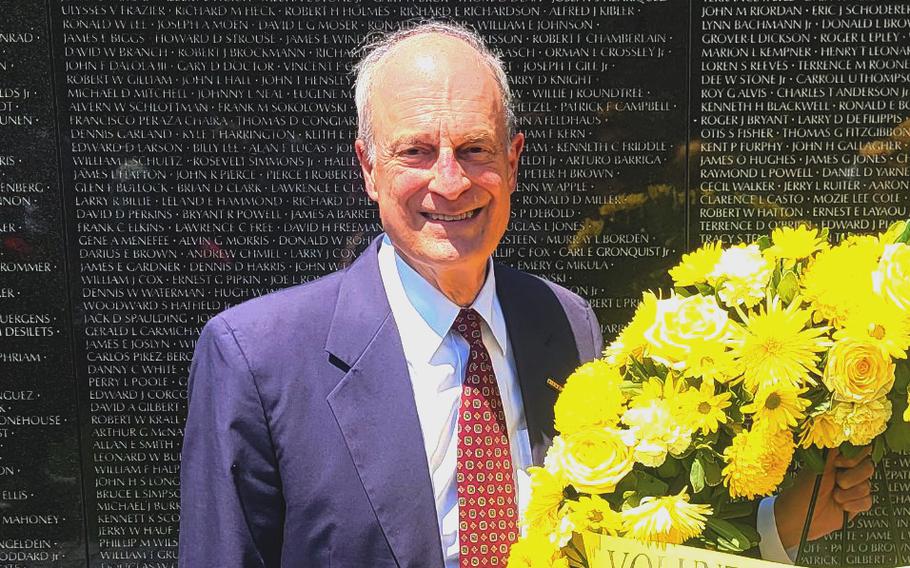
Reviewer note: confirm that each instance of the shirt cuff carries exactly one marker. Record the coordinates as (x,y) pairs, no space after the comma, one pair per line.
(770,546)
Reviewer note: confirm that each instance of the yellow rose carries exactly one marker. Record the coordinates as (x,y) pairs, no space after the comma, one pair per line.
(858,371)
(595,460)
(683,324)
(741,275)
(863,422)
(892,278)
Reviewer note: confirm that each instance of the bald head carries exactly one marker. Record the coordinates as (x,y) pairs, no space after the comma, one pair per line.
(435,52)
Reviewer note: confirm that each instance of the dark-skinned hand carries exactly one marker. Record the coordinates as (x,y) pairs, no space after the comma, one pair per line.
(846,487)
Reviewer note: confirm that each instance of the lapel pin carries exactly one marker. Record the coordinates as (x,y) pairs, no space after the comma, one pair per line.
(554,385)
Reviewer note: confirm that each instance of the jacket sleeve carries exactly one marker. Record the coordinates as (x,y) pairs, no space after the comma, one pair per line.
(596,334)
(232,508)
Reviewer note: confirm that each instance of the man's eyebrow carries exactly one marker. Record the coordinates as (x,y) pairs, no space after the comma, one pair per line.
(477,137)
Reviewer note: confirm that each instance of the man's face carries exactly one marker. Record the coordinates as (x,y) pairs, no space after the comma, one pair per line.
(444,168)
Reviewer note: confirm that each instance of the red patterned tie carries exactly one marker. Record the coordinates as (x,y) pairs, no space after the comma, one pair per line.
(487,510)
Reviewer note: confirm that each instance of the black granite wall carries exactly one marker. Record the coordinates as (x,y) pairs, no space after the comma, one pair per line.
(163,160)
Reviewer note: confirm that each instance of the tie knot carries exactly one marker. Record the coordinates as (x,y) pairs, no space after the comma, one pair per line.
(468,325)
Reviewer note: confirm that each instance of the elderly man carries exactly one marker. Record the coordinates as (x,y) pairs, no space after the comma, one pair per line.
(385,415)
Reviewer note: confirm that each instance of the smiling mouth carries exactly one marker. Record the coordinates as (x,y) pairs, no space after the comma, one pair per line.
(449,218)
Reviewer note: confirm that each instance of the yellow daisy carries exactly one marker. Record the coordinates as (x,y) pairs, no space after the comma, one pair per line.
(792,244)
(671,519)
(593,513)
(757,461)
(591,398)
(703,409)
(878,321)
(778,344)
(696,266)
(712,362)
(778,405)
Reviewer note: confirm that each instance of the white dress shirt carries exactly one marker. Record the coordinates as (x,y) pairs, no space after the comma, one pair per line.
(436,359)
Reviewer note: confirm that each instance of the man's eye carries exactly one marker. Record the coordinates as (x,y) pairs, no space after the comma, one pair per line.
(476,151)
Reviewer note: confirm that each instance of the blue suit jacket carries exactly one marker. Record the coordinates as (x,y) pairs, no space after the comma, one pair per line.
(303,446)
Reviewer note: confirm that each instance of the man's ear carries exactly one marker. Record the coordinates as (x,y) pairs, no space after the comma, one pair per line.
(366,168)
(516,146)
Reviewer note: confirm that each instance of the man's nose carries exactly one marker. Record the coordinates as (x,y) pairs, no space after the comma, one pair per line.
(449,178)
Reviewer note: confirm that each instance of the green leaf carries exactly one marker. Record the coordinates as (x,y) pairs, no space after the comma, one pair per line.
(763,242)
(733,536)
(669,469)
(898,433)
(812,457)
(650,485)
(879,449)
(848,450)
(735,510)
(901,376)
(788,287)
(697,476)
(905,236)
(704,289)
(713,475)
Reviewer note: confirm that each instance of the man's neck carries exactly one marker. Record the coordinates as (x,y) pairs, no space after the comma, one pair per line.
(460,283)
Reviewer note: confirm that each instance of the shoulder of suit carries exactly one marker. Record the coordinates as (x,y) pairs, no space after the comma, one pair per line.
(518,278)
(306,303)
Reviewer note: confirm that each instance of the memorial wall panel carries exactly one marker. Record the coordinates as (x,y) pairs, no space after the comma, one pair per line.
(164,160)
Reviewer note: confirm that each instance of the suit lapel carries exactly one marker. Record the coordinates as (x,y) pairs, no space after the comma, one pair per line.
(375,409)
(543,345)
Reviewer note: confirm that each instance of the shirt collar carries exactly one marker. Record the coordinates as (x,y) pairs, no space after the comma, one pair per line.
(426,312)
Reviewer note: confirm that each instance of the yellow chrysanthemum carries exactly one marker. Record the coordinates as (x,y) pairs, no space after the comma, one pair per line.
(593,513)
(891,279)
(631,341)
(858,371)
(757,461)
(696,266)
(741,275)
(863,422)
(822,431)
(778,344)
(878,321)
(671,519)
(703,409)
(591,398)
(831,288)
(779,405)
(594,461)
(656,423)
(792,244)
(546,497)
(536,551)
(682,324)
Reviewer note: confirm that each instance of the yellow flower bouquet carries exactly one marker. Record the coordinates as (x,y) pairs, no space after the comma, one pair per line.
(762,356)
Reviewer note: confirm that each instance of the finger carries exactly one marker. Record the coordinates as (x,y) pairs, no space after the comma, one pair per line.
(859,505)
(855,493)
(843,461)
(847,478)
